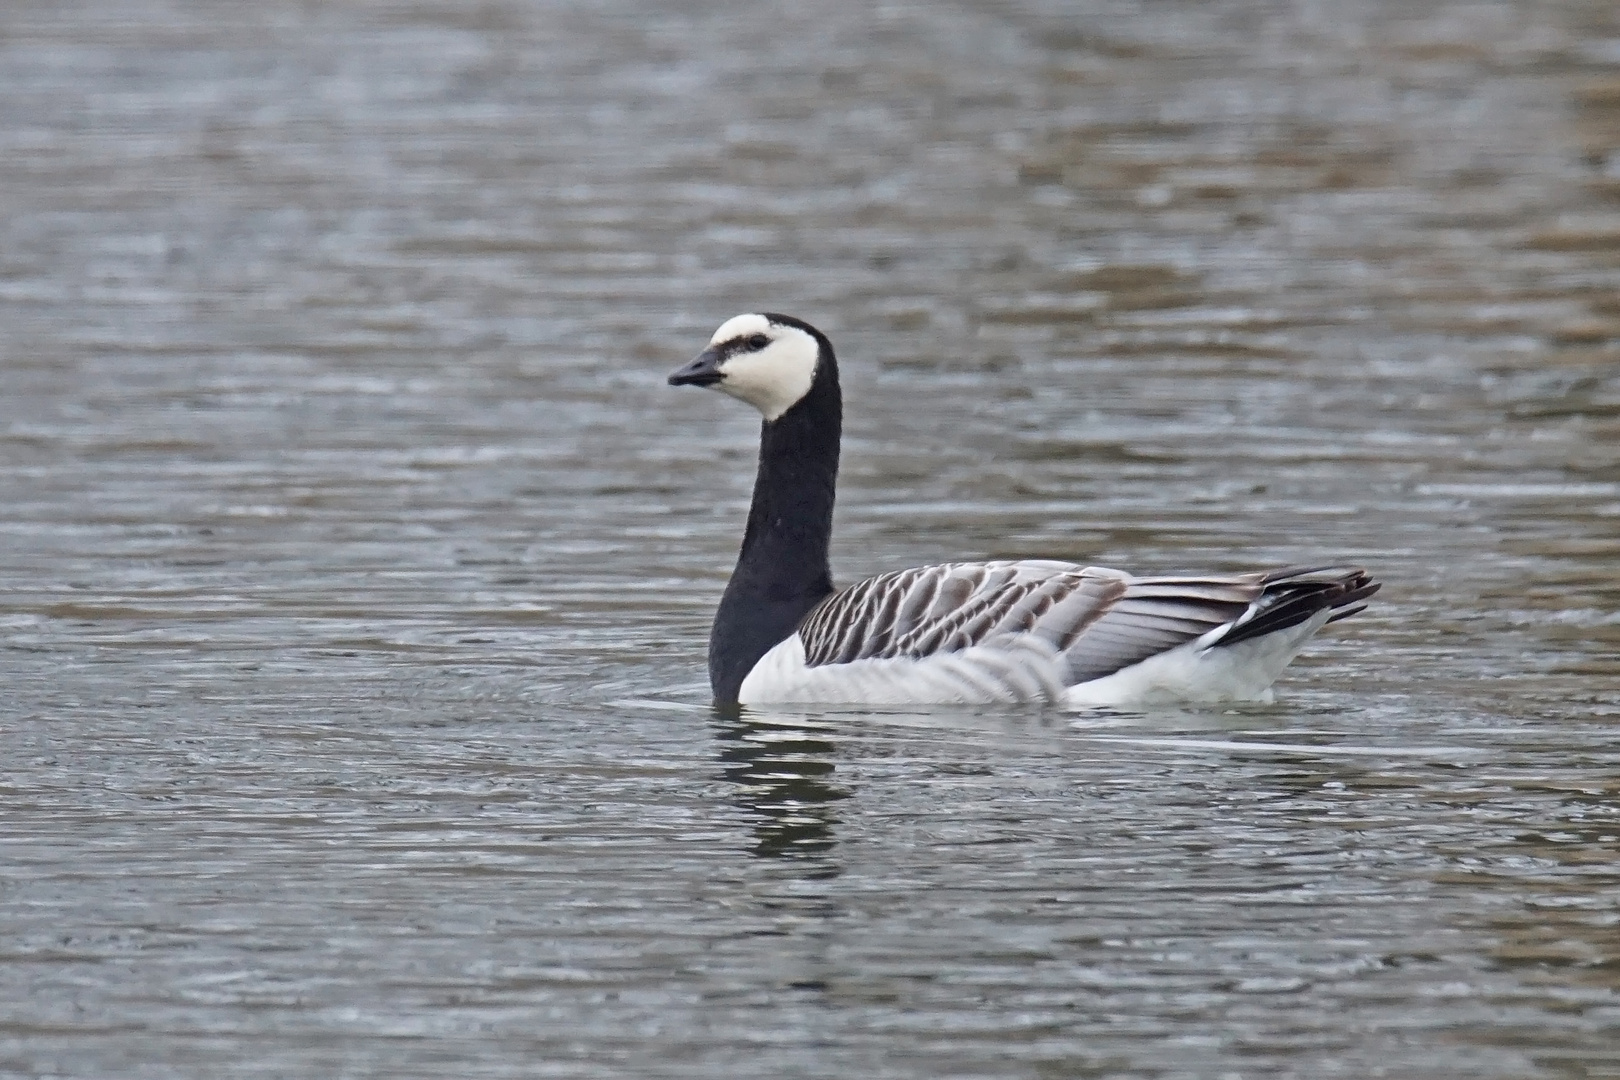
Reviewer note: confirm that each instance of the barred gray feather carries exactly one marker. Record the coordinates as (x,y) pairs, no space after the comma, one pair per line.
(1099,620)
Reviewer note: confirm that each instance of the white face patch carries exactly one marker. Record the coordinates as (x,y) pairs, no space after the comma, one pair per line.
(774,377)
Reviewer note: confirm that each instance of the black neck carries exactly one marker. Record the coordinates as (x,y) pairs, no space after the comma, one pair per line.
(782,571)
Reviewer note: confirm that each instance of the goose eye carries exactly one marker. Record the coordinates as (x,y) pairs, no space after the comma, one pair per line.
(758,342)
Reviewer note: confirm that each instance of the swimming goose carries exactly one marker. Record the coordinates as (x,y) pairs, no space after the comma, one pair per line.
(1025,630)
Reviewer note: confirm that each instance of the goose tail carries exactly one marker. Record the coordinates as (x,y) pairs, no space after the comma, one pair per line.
(1294,594)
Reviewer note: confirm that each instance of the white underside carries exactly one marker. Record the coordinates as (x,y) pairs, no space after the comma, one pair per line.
(1024,669)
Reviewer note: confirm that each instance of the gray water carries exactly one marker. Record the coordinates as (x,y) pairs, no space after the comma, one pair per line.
(356,562)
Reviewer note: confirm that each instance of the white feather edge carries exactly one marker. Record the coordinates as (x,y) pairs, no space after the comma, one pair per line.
(1023,668)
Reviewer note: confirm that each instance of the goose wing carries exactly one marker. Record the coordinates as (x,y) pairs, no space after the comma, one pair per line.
(1099,620)
(958,632)
(928,610)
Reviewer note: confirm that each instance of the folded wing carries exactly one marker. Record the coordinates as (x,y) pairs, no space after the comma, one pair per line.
(1099,621)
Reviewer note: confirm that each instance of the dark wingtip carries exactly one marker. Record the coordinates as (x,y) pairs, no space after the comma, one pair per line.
(1345,613)
(1301,592)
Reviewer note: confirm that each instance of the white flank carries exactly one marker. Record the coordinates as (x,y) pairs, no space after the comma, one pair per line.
(1012,670)
(1199,675)
(771,379)
(1024,669)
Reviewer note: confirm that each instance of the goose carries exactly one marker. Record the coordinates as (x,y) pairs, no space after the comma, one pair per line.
(1006,631)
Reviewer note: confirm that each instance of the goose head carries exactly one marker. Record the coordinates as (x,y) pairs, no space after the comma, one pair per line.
(770,361)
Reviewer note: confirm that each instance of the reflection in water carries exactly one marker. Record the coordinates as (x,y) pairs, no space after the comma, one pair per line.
(783,777)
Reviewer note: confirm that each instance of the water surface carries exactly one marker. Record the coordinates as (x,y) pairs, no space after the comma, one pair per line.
(357,563)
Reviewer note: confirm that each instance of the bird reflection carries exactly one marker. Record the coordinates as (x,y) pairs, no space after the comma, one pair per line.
(783,777)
